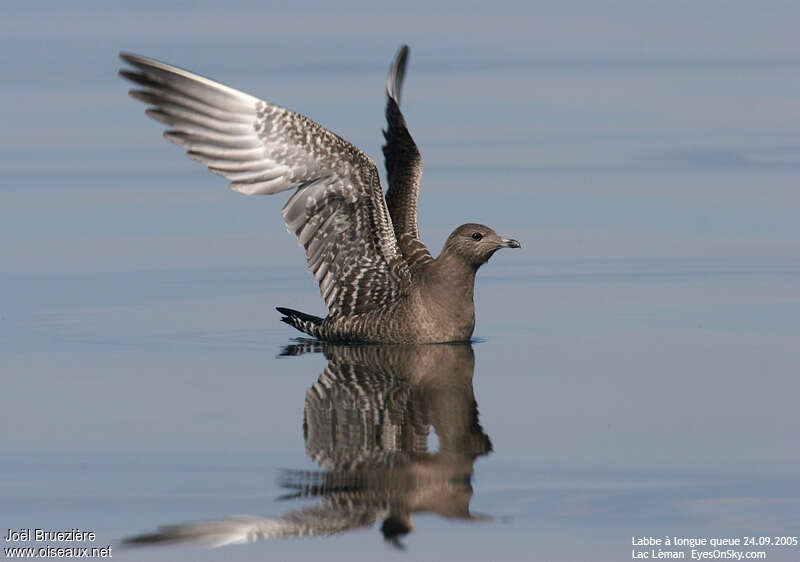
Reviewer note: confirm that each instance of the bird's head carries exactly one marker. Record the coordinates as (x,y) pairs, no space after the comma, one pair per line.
(476,243)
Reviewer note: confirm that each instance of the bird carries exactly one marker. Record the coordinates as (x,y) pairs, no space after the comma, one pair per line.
(379,281)
(367,423)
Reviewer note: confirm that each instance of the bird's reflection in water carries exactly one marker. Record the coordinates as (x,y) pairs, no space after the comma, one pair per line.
(367,424)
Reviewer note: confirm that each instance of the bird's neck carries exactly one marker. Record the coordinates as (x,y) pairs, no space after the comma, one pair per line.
(451,277)
(447,285)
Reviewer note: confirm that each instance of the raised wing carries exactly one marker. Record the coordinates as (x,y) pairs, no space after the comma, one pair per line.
(403,168)
(338,211)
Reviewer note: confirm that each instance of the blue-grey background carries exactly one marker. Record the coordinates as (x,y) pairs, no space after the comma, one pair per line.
(638,364)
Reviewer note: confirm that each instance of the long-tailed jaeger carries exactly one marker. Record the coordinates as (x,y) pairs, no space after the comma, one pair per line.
(379,281)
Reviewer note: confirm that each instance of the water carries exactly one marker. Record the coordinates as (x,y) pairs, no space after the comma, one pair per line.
(635,364)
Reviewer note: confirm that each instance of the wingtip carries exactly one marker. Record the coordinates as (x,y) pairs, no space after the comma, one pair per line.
(397,72)
(132,58)
(128,74)
(159,115)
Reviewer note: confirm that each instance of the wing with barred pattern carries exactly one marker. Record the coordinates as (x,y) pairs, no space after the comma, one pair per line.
(403,168)
(338,211)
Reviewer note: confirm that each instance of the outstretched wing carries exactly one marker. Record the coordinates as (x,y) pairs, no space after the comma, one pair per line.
(403,168)
(320,520)
(338,211)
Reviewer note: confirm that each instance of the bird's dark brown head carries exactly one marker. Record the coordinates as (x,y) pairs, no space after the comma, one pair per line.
(475,243)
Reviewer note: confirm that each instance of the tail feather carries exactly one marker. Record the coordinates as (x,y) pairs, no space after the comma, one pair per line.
(306,323)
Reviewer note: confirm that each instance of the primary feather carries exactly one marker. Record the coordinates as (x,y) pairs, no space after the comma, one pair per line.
(337,212)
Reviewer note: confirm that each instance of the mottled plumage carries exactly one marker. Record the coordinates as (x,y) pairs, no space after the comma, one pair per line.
(403,168)
(367,421)
(376,276)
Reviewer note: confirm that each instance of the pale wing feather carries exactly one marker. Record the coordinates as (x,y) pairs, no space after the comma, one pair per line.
(320,520)
(338,212)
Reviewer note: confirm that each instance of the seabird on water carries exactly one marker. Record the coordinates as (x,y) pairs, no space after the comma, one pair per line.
(379,281)
(367,423)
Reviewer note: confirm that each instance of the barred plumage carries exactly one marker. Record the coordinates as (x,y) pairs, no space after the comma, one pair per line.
(366,423)
(378,280)
(403,168)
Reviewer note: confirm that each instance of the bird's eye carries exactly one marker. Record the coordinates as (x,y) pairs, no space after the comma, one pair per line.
(477,236)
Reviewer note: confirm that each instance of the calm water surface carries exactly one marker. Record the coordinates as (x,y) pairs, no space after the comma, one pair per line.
(634,368)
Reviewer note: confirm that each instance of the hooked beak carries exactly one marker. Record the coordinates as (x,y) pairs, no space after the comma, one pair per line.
(510,243)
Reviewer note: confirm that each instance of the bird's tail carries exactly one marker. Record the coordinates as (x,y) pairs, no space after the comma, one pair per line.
(304,322)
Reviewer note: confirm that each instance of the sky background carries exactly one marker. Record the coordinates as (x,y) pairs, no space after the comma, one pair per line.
(636,361)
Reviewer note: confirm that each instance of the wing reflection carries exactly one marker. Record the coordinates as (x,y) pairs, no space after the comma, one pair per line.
(367,424)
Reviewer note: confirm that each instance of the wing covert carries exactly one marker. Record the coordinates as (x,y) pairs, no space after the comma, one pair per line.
(338,212)
(403,168)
